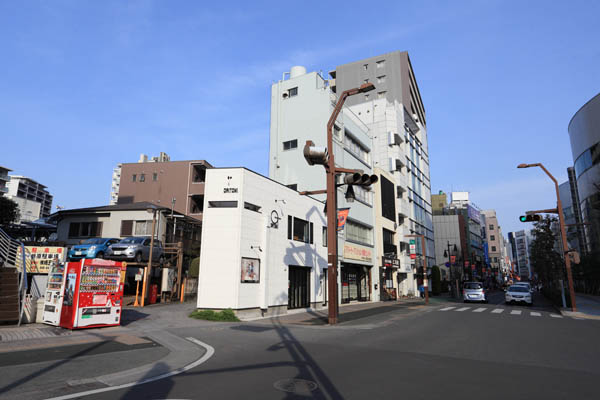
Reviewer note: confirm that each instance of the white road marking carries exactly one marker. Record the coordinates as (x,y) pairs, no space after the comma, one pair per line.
(555,316)
(447,308)
(209,353)
(498,311)
(516,312)
(463,309)
(482,309)
(535,314)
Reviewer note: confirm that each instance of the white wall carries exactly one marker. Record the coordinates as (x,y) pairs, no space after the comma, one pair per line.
(228,234)
(28,210)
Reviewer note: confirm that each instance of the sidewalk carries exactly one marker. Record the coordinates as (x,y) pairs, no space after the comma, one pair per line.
(588,307)
(40,361)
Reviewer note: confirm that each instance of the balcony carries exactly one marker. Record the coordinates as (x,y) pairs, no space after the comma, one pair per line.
(4,177)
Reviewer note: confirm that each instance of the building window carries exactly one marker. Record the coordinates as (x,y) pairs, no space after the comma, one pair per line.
(293,91)
(389,247)
(491,227)
(143,228)
(74,229)
(222,204)
(381,79)
(85,229)
(388,201)
(324,236)
(198,173)
(300,230)
(492,237)
(494,248)
(381,95)
(142,177)
(126,228)
(380,64)
(363,194)
(133,178)
(358,233)
(251,207)
(154,176)
(290,144)
(293,186)
(356,148)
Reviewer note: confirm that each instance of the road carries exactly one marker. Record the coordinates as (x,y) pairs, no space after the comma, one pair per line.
(451,350)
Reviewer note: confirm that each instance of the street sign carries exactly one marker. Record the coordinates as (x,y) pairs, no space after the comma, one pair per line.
(452,259)
(413,256)
(413,248)
(412,241)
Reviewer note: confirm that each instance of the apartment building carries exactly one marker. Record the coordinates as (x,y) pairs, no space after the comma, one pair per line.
(172,184)
(301,104)
(4,178)
(32,197)
(493,238)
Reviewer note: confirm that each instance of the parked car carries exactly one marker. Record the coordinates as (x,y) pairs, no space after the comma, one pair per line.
(135,249)
(473,291)
(90,248)
(518,294)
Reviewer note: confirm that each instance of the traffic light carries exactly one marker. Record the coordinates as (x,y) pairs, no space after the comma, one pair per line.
(315,155)
(530,218)
(360,179)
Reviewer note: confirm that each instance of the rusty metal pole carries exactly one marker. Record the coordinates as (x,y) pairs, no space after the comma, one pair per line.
(425,269)
(563,234)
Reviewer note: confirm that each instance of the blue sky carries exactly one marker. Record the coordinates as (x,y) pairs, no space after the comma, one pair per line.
(88,84)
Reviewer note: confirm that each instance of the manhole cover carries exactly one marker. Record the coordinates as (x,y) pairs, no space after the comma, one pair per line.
(295,385)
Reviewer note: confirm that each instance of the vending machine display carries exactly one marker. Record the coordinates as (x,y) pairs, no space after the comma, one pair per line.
(93,293)
(54,293)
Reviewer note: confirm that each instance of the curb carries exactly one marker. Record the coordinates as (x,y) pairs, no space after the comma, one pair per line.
(578,314)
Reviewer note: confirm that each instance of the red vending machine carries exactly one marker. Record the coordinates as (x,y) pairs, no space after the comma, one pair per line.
(93,293)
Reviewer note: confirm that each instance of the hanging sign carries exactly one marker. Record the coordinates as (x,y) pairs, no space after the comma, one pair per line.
(453,259)
(342,217)
(466,264)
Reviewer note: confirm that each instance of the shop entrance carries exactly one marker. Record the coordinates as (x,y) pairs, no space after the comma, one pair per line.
(355,283)
(298,287)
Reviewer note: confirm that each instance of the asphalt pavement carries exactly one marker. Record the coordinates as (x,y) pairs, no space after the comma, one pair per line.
(444,350)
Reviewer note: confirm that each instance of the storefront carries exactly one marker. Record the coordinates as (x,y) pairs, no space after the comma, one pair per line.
(356,276)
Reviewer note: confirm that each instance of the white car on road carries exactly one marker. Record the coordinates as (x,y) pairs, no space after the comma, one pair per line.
(518,294)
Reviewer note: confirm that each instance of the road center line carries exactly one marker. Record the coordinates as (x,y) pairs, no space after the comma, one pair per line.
(463,309)
(555,316)
(209,353)
(516,312)
(498,311)
(535,314)
(482,309)
(447,308)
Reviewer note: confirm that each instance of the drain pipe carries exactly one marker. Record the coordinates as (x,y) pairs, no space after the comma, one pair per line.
(264,279)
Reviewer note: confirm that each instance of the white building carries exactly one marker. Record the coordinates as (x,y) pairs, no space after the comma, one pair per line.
(32,197)
(264,247)
(300,108)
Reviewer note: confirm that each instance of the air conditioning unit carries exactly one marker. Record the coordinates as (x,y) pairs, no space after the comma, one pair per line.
(395,164)
(394,139)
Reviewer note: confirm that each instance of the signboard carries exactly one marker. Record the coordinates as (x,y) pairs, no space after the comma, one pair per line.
(413,256)
(389,262)
(466,263)
(342,217)
(474,214)
(250,270)
(452,259)
(357,253)
(38,259)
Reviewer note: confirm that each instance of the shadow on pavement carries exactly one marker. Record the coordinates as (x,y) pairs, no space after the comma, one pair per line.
(158,391)
(130,315)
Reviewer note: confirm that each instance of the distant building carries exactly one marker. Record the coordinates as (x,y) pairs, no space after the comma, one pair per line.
(32,197)
(172,184)
(522,241)
(439,202)
(116,176)
(493,237)
(4,178)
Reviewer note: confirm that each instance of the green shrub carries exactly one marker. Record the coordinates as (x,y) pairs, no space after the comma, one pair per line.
(194,267)
(209,315)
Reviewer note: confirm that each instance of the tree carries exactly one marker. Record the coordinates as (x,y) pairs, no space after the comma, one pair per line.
(9,211)
(436,281)
(545,260)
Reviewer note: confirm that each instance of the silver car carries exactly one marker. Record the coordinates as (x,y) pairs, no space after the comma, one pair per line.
(473,291)
(135,249)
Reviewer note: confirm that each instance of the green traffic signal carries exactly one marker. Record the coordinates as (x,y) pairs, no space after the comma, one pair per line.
(530,218)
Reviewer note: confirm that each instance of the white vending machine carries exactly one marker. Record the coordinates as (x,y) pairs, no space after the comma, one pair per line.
(54,294)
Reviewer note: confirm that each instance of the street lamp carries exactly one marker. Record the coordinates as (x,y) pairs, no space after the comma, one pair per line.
(561,222)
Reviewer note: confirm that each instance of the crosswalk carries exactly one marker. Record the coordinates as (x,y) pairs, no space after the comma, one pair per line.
(500,311)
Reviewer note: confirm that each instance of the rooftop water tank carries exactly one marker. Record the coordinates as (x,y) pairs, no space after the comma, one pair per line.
(297,71)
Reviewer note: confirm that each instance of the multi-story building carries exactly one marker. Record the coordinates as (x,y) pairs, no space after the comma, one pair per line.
(438,203)
(573,229)
(114,185)
(584,132)
(300,108)
(493,237)
(173,184)
(450,245)
(32,197)
(522,243)
(395,116)
(4,178)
